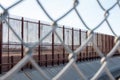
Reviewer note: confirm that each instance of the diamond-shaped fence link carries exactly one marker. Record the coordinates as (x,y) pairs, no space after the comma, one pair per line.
(72,54)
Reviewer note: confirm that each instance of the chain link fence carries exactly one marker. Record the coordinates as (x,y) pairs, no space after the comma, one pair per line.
(72,53)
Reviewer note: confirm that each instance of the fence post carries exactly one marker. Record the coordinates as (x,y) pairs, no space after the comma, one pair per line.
(80,43)
(39,52)
(93,51)
(112,41)
(96,55)
(12,61)
(72,39)
(105,45)
(63,47)
(80,36)
(58,56)
(102,42)
(1,30)
(86,56)
(22,35)
(97,41)
(109,43)
(8,46)
(52,48)
(46,60)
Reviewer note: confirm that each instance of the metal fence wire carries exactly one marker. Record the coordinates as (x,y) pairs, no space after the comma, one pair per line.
(72,54)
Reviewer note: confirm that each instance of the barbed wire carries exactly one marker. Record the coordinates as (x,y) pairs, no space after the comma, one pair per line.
(72,54)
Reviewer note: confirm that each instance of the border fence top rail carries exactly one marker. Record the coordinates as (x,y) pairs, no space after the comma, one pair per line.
(43,23)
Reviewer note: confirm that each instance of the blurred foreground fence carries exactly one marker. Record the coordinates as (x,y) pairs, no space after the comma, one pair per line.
(50,52)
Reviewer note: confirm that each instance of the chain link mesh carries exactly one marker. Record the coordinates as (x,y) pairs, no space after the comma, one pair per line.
(72,54)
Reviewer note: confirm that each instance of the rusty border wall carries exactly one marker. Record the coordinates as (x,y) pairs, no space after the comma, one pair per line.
(50,52)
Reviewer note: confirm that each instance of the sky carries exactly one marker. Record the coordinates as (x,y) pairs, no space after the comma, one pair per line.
(89,10)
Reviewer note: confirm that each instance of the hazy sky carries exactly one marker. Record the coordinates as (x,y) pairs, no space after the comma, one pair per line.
(88,9)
